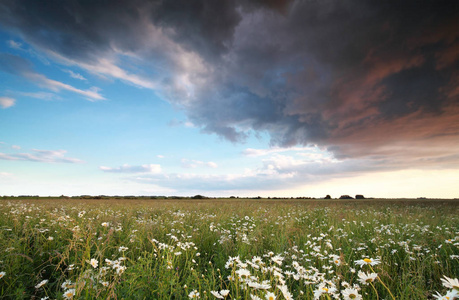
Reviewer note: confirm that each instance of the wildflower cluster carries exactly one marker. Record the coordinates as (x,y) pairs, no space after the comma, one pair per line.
(228,250)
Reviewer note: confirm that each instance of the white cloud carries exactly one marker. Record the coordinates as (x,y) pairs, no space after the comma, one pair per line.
(160,156)
(47,156)
(262,152)
(41,95)
(6,102)
(148,168)
(91,94)
(75,75)
(312,154)
(5,176)
(191,164)
(15,45)
(274,173)
(212,164)
(16,147)
(106,67)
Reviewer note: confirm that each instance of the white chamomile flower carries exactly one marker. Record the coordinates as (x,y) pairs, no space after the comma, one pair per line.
(368,261)
(122,248)
(270,296)
(217,295)
(42,283)
(450,283)
(66,284)
(68,294)
(94,263)
(351,294)
(451,295)
(366,278)
(194,294)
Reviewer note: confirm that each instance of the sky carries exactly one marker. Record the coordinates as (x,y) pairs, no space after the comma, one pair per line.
(229,98)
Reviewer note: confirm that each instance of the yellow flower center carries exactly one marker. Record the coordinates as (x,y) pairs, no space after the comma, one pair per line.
(367,260)
(325,289)
(271,298)
(352,296)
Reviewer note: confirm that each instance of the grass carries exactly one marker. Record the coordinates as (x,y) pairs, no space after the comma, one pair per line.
(178,249)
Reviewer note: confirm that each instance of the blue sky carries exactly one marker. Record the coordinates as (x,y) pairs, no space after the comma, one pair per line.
(241,99)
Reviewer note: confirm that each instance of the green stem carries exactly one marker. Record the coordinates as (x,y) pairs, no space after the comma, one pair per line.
(384,285)
(377,296)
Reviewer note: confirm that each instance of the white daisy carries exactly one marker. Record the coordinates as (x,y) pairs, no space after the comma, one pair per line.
(270,296)
(217,294)
(243,273)
(122,248)
(351,294)
(451,295)
(368,261)
(94,263)
(450,283)
(68,294)
(42,283)
(194,294)
(285,292)
(366,278)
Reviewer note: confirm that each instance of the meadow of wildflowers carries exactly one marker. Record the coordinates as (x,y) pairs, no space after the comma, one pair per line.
(229,249)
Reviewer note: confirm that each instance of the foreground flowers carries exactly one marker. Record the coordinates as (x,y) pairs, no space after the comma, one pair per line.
(368,261)
(220,295)
(94,263)
(42,283)
(450,283)
(367,278)
(351,294)
(69,294)
(450,295)
(194,294)
(163,252)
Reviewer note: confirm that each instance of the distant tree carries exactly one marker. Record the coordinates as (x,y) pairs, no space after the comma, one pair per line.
(327,197)
(198,197)
(346,197)
(359,197)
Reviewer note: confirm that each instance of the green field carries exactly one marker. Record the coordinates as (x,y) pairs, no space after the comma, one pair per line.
(228,249)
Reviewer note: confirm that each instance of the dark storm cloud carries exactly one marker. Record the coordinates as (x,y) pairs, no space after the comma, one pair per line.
(74,29)
(203,26)
(358,77)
